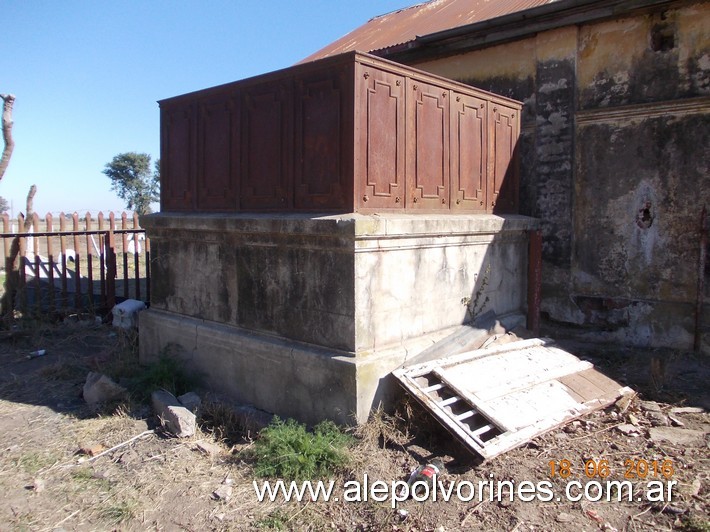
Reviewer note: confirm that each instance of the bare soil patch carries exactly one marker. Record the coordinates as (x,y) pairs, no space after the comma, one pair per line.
(49,480)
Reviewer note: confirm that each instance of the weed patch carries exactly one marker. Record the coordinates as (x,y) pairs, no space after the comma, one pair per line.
(277,520)
(119,512)
(220,420)
(286,449)
(167,374)
(32,462)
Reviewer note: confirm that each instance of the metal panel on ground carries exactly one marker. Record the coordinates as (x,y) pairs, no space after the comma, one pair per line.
(499,398)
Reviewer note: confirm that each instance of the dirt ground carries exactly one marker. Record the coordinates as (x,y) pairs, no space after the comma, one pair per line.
(49,479)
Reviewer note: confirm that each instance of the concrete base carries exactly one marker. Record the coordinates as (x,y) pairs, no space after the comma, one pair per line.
(288,378)
(306,317)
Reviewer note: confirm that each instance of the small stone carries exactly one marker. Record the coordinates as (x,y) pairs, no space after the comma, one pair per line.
(678,436)
(210,449)
(657,419)
(220,517)
(128,458)
(675,421)
(572,427)
(670,509)
(650,406)
(692,489)
(624,402)
(99,388)
(687,410)
(174,417)
(563,517)
(633,419)
(629,430)
(191,401)
(39,485)
(223,493)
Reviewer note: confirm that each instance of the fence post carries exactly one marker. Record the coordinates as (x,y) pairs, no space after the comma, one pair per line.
(21,294)
(89,263)
(136,257)
(102,259)
(37,263)
(50,259)
(77,261)
(63,251)
(124,253)
(111,262)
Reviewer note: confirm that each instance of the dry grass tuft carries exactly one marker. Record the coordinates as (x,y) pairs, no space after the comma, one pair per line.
(383,429)
(221,421)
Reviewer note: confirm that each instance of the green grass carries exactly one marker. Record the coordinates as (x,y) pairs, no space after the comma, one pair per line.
(274,521)
(84,479)
(32,462)
(167,373)
(287,450)
(694,524)
(118,512)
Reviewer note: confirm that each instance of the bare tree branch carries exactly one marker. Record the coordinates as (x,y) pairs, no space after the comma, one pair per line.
(29,208)
(13,263)
(8,102)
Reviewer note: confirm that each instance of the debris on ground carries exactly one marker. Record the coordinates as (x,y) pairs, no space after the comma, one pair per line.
(125,314)
(496,398)
(174,417)
(99,389)
(191,401)
(148,482)
(224,491)
(208,448)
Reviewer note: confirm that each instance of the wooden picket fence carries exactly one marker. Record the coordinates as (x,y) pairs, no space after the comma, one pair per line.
(83,264)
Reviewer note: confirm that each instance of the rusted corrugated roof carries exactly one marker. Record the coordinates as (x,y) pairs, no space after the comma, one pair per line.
(404,25)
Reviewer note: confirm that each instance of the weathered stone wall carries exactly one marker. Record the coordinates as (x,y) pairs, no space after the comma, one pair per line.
(353,283)
(615,144)
(306,316)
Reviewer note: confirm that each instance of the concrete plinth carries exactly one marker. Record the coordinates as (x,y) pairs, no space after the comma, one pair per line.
(306,316)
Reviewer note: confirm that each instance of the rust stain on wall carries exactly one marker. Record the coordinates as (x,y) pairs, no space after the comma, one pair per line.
(614,161)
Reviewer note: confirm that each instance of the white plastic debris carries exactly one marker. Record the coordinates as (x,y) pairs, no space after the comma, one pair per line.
(125,315)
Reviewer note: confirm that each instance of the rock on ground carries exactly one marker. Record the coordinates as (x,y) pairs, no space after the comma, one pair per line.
(174,417)
(678,436)
(191,401)
(101,389)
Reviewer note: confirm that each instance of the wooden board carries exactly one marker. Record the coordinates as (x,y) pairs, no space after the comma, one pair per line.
(498,398)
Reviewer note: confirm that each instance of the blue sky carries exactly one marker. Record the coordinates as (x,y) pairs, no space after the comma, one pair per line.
(87,75)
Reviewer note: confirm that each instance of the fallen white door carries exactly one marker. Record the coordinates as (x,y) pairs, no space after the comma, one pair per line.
(498,398)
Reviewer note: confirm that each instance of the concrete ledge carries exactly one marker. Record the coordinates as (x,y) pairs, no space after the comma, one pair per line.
(287,378)
(386,224)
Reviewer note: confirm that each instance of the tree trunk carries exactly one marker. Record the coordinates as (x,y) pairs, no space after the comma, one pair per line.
(8,102)
(14,262)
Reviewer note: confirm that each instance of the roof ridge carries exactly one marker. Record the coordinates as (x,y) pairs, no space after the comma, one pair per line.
(405,8)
